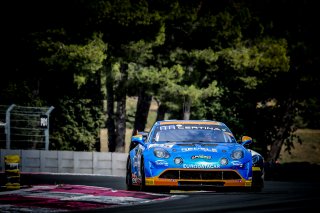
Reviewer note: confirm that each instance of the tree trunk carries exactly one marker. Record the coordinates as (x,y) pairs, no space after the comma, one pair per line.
(143,106)
(121,124)
(121,109)
(284,132)
(161,112)
(275,149)
(110,123)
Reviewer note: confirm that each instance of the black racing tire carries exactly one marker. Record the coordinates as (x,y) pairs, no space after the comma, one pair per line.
(143,177)
(257,182)
(130,187)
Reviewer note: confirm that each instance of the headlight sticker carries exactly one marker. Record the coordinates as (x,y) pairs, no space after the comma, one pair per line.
(237,163)
(161,163)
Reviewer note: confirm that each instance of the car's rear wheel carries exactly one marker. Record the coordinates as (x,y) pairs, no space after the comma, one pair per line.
(129,175)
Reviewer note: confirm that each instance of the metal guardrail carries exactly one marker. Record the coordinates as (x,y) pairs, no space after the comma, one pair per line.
(104,163)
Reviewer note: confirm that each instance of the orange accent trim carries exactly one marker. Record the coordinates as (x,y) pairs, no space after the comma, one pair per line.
(190,122)
(174,182)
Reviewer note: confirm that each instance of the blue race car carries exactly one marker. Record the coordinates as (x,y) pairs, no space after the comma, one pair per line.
(192,154)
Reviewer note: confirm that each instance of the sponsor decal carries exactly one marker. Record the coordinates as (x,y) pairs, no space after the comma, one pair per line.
(190,127)
(167,127)
(135,179)
(207,157)
(197,127)
(167,145)
(200,166)
(149,182)
(237,163)
(161,163)
(205,149)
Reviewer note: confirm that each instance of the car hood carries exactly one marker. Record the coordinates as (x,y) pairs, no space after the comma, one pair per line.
(200,147)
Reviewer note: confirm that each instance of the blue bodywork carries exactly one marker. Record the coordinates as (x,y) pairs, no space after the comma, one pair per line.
(183,153)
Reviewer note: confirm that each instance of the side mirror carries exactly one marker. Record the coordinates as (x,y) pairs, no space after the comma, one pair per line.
(246,140)
(144,135)
(138,139)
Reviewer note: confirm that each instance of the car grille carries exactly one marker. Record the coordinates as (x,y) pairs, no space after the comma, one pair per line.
(202,184)
(200,175)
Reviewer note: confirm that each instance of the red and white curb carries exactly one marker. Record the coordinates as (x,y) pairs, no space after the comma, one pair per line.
(63,198)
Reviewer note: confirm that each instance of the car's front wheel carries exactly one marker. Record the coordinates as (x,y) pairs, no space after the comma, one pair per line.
(143,177)
(257,182)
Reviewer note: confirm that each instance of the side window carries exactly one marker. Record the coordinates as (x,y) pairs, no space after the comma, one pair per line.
(145,136)
(154,137)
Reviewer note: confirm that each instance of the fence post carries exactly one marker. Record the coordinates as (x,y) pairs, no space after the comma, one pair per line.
(7,127)
(46,131)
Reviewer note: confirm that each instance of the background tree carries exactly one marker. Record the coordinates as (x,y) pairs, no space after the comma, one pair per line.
(229,59)
(76,97)
(132,30)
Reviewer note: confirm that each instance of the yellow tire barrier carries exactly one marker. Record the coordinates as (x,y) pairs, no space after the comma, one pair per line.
(12,171)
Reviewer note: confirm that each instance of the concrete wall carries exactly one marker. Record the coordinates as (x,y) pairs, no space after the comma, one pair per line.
(104,163)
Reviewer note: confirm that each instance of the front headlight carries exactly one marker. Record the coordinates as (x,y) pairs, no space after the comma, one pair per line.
(161,153)
(237,154)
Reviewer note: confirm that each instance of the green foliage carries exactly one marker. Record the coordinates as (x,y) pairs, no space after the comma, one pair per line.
(79,122)
(83,60)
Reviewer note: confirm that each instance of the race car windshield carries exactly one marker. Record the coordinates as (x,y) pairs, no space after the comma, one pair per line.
(192,135)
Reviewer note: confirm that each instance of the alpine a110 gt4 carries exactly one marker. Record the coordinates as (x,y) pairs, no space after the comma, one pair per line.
(192,154)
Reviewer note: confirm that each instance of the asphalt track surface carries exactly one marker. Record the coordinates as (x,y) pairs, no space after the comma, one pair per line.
(90,193)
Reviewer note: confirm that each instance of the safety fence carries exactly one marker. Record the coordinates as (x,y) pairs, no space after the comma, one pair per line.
(23,127)
(103,163)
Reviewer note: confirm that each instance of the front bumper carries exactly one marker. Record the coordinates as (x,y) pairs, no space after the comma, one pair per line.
(198,178)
